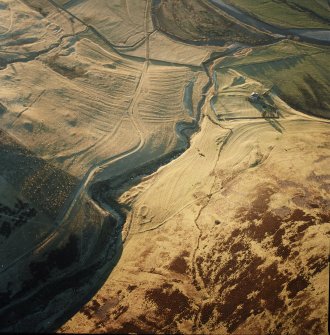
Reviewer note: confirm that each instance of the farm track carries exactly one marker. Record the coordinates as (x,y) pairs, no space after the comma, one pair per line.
(69,210)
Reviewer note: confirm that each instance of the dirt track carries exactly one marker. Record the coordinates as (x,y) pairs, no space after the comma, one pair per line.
(318,36)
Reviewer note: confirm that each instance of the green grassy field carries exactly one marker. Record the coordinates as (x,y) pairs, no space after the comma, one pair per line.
(288,13)
(199,21)
(298,73)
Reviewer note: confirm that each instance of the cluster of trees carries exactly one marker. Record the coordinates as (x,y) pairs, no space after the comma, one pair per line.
(13,218)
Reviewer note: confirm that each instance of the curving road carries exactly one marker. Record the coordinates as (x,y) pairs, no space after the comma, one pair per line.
(69,208)
(318,36)
(309,35)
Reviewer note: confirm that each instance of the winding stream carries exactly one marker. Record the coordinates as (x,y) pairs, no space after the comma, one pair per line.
(98,190)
